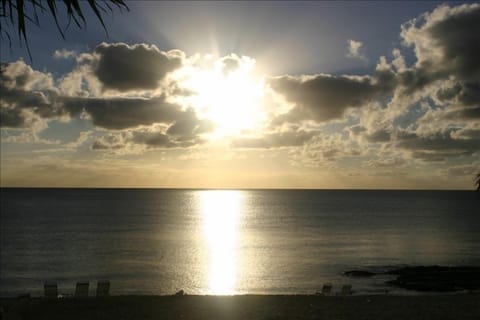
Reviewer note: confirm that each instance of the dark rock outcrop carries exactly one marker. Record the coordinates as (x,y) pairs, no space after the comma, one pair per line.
(359,273)
(428,278)
(436,278)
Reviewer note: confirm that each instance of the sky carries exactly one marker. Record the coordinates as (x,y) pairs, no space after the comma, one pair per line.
(276,94)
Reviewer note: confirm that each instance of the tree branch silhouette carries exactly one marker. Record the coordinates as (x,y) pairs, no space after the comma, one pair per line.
(14,15)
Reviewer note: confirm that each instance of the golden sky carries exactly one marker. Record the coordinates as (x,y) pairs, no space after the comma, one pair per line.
(125,113)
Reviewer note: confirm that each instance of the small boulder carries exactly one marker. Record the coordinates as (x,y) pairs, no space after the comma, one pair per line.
(180,293)
(359,273)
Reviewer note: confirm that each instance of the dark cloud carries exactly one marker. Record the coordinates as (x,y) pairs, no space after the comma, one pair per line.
(144,138)
(457,36)
(377,134)
(12,118)
(19,75)
(26,96)
(138,67)
(461,94)
(109,142)
(438,146)
(447,46)
(325,97)
(25,93)
(124,113)
(276,140)
(188,125)
(154,139)
(467,133)
(463,114)
(386,163)
(230,63)
(357,129)
(437,156)
(382,135)
(469,170)
(15,104)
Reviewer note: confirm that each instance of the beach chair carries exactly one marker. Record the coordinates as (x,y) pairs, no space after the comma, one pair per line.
(346,290)
(327,289)
(103,288)
(81,289)
(51,290)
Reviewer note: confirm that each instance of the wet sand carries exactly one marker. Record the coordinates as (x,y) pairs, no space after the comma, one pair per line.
(448,306)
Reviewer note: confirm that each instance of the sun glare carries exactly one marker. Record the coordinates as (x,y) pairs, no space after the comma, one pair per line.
(221,212)
(229,96)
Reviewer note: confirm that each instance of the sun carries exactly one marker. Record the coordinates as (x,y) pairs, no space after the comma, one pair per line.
(229,94)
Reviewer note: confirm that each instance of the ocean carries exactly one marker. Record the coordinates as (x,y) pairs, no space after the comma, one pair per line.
(160,241)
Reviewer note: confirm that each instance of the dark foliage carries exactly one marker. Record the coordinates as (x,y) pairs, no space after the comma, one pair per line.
(16,14)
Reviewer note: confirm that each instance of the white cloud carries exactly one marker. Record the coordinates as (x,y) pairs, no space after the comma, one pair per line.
(64,54)
(355,50)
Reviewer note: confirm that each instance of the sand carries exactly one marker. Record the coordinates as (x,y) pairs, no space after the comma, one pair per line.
(448,306)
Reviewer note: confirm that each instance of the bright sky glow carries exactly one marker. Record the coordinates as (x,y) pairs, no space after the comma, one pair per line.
(229,96)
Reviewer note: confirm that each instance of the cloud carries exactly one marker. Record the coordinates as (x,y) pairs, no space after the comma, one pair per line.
(111,141)
(326,97)
(119,113)
(325,150)
(123,67)
(64,54)
(388,162)
(82,138)
(355,49)
(230,63)
(13,117)
(446,74)
(276,140)
(447,47)
(28,137)
(467,133)
(437,147)
(469,170)
(25,95)
(188,125)
(19,75)
(28,97)
(447,70)
(446,42)
(380,135)
(139,140)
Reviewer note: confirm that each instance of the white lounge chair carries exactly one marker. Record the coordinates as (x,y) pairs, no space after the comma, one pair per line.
(81,289)
(51,290)
(103,288)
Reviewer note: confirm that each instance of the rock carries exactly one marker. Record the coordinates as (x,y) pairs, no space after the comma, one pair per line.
(436,278)
(180,293)
(359,273)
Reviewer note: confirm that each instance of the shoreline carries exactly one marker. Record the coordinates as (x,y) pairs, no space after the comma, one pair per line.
(426,306)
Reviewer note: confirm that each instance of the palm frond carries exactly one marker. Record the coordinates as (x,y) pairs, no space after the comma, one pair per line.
(14,15)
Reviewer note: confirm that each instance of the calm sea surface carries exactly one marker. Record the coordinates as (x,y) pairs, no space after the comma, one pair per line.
(227,242)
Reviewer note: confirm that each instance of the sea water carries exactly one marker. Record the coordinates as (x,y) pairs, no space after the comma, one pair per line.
(159,241)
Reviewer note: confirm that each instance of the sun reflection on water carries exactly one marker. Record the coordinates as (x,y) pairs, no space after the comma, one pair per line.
(221,211)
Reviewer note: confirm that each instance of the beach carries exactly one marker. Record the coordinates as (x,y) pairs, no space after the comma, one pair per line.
(445,306)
